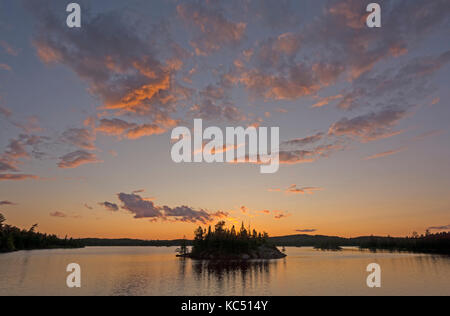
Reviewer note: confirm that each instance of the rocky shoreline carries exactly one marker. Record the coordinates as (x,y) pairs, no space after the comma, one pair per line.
(262,252)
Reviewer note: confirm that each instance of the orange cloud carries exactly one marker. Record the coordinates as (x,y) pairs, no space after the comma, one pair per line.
(133,100)
(215,29)
(118,127)
(297,84)
(386,153)
(17,177)
(144,130)
(46,53)
(326,100)
(435,101)
(353,17)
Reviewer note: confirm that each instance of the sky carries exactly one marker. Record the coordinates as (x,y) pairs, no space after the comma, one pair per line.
(86,116)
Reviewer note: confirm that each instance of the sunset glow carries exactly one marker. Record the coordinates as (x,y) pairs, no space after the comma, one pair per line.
(86,116)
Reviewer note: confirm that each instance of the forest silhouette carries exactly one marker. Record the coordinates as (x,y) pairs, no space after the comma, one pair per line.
(227,241)
(13,238)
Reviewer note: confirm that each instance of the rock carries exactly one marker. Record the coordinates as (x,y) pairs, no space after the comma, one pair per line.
(262,252)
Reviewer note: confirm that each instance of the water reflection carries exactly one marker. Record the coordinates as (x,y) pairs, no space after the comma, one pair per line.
(156,271)
(241,276)
(243,268)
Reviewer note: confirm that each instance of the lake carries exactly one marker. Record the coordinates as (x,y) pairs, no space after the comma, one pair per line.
(156,271)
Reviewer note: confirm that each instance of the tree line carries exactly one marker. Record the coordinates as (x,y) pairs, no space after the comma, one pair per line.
(226,240)
(427,243)
(13,238)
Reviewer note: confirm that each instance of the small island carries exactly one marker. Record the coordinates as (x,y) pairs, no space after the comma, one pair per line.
(228,244)
(327,246)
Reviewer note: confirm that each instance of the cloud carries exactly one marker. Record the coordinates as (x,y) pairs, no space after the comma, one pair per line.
(254,213)
(6,166)
(31,125)
(351,15)
(58,214)
(115,127)
(369,127)
(276,15)
(297,82)
(17,177)
(277,51)
(445,227)
(345,26)
(406,83)
(18,148)
(9,49)
(304,141)
(211,110)
(76,159)
(5,67)
(281,215)
(293,189)
(118,127)
(144,130)
(306,230)
(435,101)
(142,208)
(299,63)
(386,153)
(80,137)
(2,203)
(121,66)
(429,134)
(23,147)
(5,111)
(133,69)
(189,215)
(215,31)
(109,206)
(292,157)
(325,101)
(139,207)
(214,102)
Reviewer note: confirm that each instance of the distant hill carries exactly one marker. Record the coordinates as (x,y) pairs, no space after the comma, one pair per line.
(292,240)
(310,240)
(431,243)
(126,242)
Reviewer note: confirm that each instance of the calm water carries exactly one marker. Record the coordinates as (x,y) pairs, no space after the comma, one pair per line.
(156,271)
